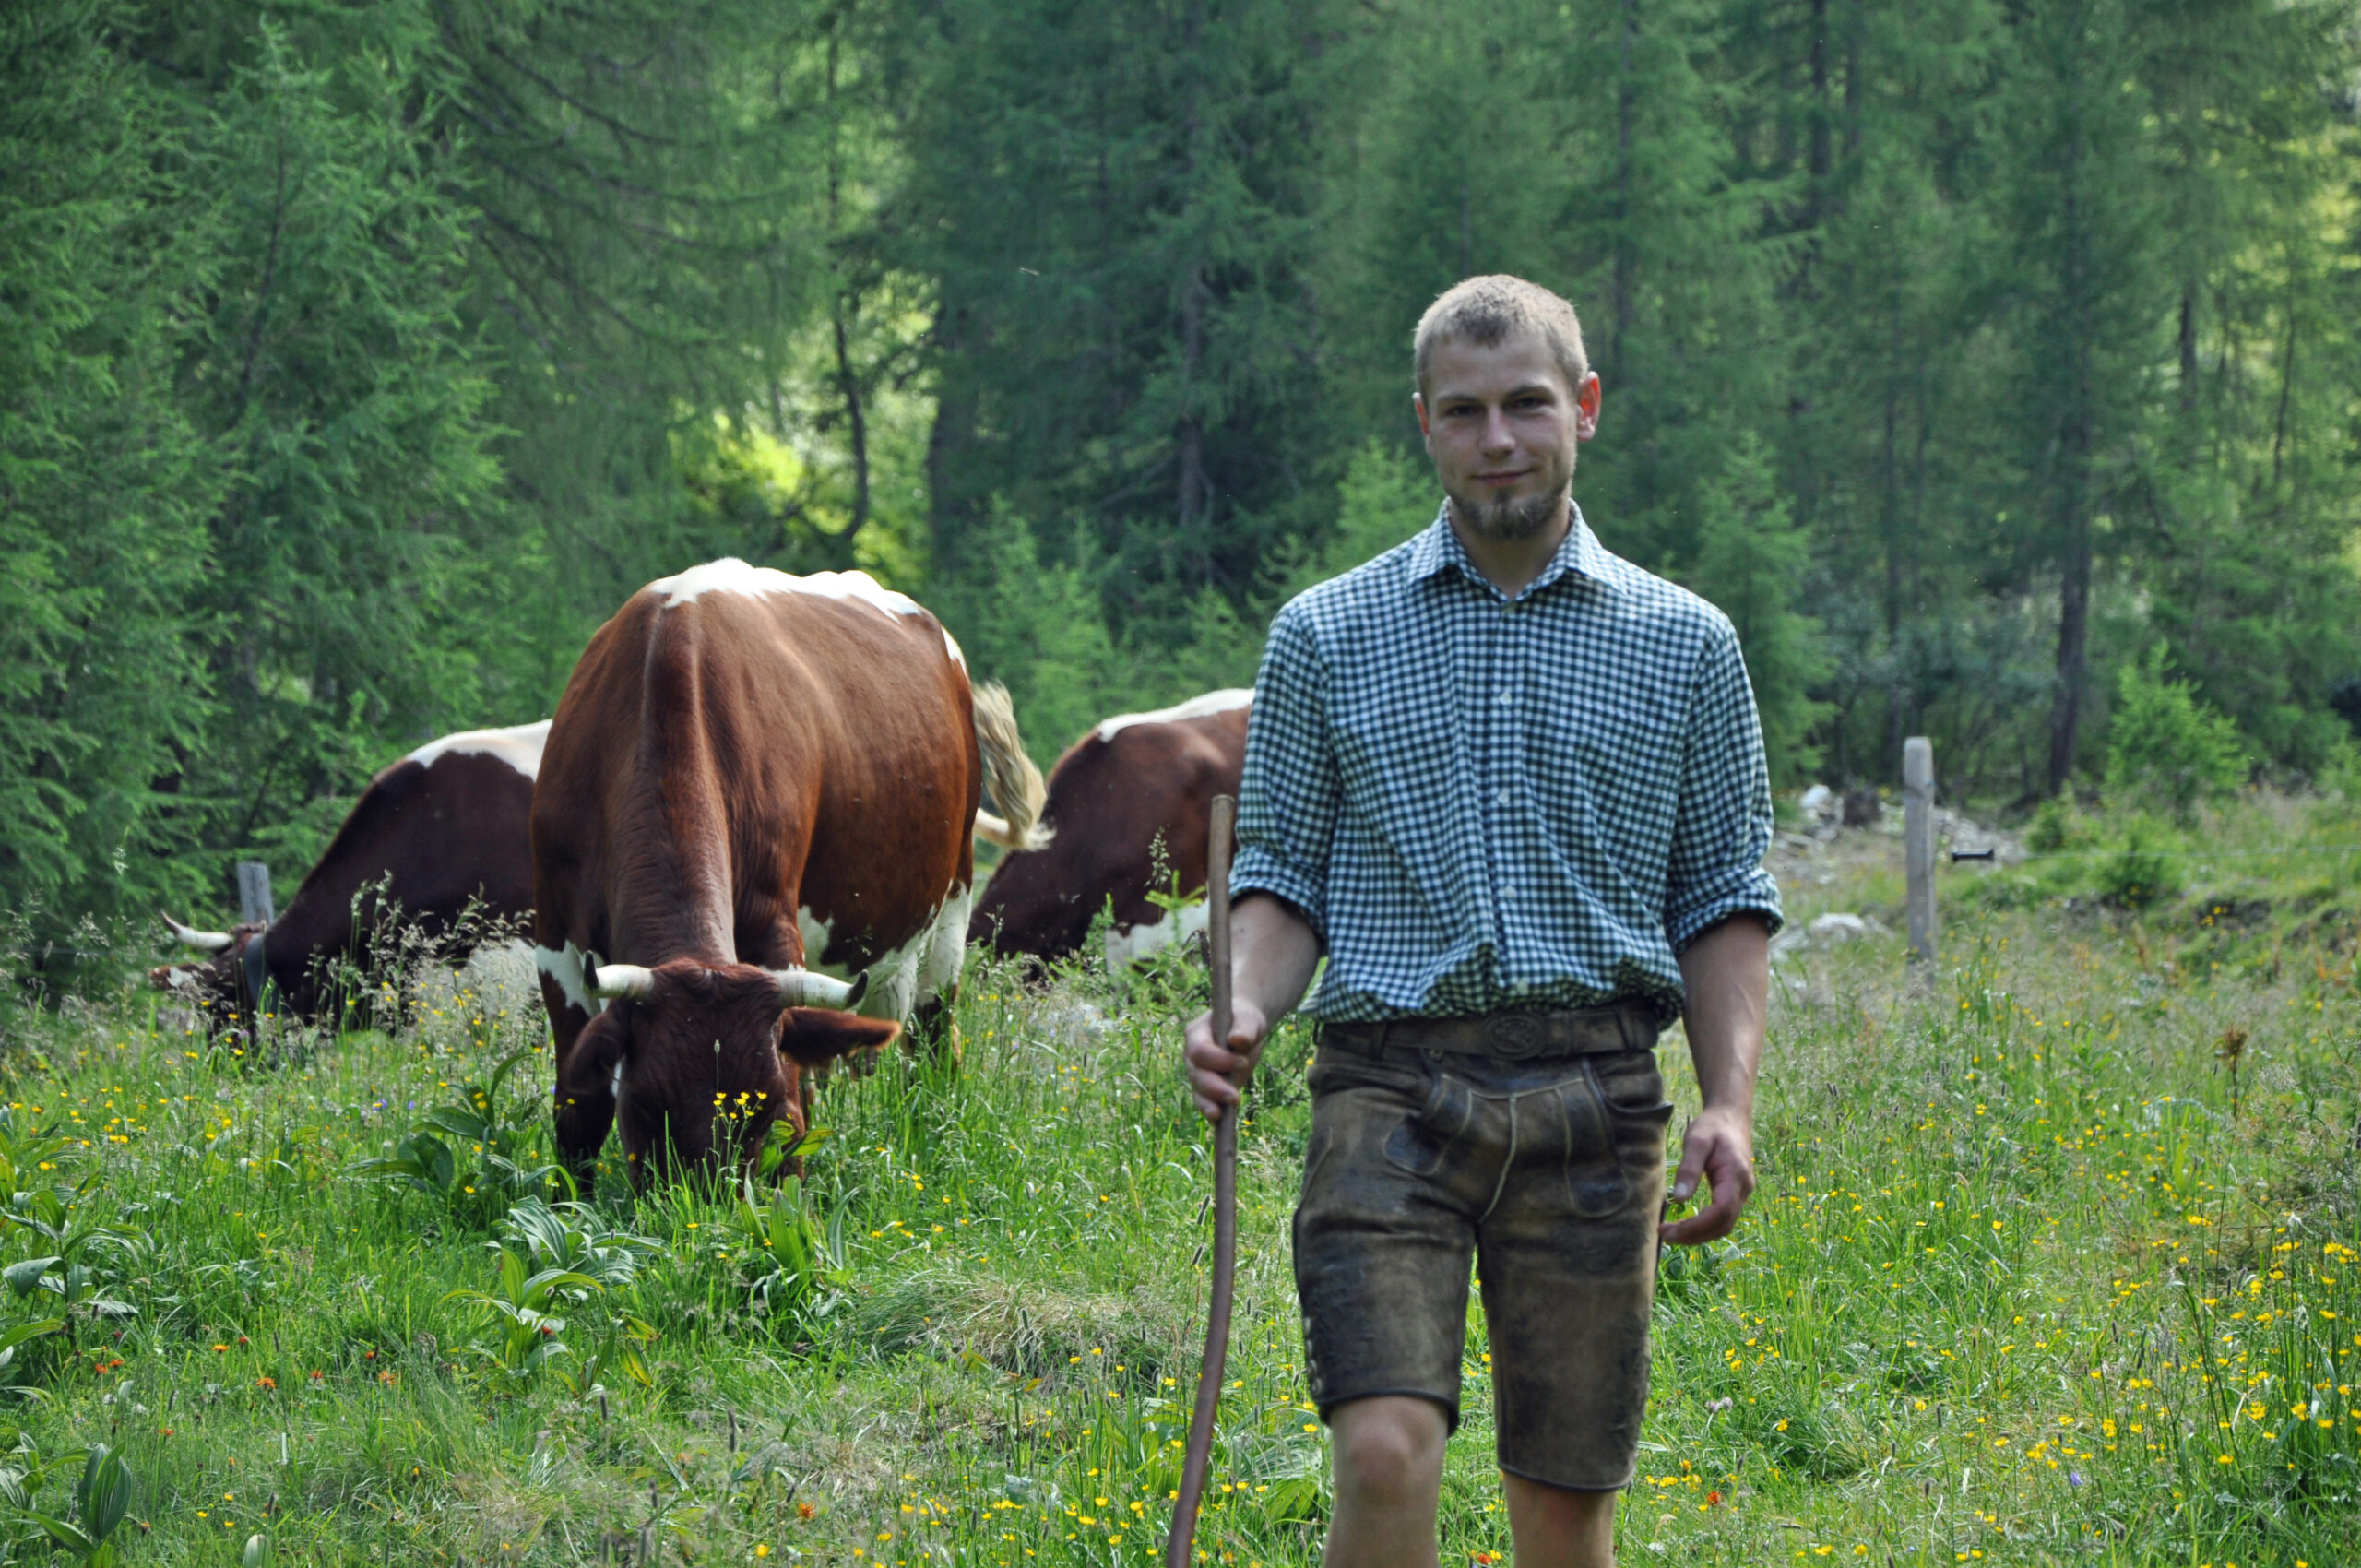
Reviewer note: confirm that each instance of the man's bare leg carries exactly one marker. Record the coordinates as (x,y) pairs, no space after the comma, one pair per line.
(1556,1528)
(1389,1480)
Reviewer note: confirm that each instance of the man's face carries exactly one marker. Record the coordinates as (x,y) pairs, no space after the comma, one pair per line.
(1501,426)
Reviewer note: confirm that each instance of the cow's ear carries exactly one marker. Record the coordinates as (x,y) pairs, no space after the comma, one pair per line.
(814,1035)
(589,1071)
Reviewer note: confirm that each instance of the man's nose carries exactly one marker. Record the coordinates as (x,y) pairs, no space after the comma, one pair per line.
(1498,437)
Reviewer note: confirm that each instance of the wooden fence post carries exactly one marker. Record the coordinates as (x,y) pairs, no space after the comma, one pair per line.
(1919,844)
(253,893)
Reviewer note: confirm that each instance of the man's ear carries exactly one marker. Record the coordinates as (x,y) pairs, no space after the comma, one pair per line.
(589,1074)
(814,1035)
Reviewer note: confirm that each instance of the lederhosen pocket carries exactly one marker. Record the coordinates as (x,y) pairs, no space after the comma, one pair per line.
(1418,1145)
(1613,1133)
(1441,1105)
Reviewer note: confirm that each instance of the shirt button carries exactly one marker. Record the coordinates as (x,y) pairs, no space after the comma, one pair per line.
(1504,794)
(1506,695)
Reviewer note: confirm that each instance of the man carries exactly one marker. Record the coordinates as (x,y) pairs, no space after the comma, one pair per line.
(1513,788)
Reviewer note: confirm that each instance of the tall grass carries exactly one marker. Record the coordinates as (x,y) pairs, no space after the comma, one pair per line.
(2020,1286)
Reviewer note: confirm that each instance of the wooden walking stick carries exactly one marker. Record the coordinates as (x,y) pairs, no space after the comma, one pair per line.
(1209,1375)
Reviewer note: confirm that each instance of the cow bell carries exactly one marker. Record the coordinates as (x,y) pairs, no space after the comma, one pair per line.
(202,941)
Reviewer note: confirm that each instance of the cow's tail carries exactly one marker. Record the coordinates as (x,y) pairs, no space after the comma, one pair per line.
(1016,784)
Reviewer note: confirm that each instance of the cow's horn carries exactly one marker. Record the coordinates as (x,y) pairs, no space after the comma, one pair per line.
(802,987)
(202,941)
(618,983)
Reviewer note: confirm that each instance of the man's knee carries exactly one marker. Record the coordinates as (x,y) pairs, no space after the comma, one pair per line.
(1389,1450)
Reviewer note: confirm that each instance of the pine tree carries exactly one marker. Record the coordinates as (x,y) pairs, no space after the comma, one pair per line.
(104,484)
(1112,203)
(1749,561)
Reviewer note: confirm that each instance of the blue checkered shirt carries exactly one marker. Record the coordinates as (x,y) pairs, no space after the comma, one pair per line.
(1482,802)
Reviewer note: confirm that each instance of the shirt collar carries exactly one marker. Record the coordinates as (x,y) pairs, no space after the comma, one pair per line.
(1438,548)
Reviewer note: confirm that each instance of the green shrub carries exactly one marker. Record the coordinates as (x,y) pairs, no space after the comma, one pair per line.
(2058,826)
(2165,749)
(2144,868)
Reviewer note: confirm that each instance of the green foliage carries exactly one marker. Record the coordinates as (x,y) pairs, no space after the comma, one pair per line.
(101,1496)
(2056,826)
(2165,748)
(356,360)
(488,1156)
(105,483)
(1749,561)
(1042,628)
(794,1262)
(2142,866)
(1009,1259)
(1113,203)
(572,1261)
(1387,495)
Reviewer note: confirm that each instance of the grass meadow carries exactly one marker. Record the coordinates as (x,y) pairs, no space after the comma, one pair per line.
(2057,1256)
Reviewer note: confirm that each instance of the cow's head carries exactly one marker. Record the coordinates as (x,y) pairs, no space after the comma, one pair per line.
(701,1059)
(210,976)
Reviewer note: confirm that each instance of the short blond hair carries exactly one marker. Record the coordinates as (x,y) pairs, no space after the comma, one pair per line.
(1485,311)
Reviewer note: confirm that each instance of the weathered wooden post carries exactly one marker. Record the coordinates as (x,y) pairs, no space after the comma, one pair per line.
(1919,844)
(253,893)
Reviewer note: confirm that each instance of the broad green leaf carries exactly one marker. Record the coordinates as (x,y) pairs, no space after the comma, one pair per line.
(24,1278)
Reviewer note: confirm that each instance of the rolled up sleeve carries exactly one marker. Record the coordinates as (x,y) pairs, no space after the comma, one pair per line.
(1723,822)
(1289,800)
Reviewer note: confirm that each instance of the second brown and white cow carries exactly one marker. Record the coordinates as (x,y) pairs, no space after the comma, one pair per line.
(1136,786)
(437,834)
(751,850)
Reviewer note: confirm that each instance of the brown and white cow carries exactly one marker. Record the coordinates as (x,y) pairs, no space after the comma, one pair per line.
(1134,781)
(754,819)
(443,830)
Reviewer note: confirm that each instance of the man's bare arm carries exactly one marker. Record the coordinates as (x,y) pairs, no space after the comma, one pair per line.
(1727,973)
(1273,954)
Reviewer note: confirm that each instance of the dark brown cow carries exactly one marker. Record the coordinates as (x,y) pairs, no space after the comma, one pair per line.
(754,813)
(441,830)
(1131,781)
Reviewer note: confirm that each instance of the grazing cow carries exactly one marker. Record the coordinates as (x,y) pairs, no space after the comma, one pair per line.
(754,817)
(1131,783)
(441,830)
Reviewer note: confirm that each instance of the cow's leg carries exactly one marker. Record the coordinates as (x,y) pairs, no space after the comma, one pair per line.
(582,1099)
(934,1021)
(584,1102)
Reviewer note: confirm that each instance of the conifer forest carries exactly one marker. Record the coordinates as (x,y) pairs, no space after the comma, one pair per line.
(356,360)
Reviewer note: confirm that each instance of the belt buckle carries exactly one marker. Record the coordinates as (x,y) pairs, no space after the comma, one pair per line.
(1513,1036)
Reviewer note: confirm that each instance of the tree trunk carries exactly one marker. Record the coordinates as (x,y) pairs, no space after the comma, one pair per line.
(2071,477)
(846,304)
(1821,148)
(1193,500)
(856,425)
(2189,350)
(1194,497)
(1626,111)
(2073,655)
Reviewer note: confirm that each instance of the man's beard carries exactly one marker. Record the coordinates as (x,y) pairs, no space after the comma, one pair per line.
(1509,522)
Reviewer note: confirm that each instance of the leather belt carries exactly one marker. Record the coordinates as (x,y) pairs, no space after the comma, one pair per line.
(1507,1036)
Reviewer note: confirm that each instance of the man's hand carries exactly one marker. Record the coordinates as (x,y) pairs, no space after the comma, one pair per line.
(1720,1148)
(1273,952)
(1727,973)
(1218,1073)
